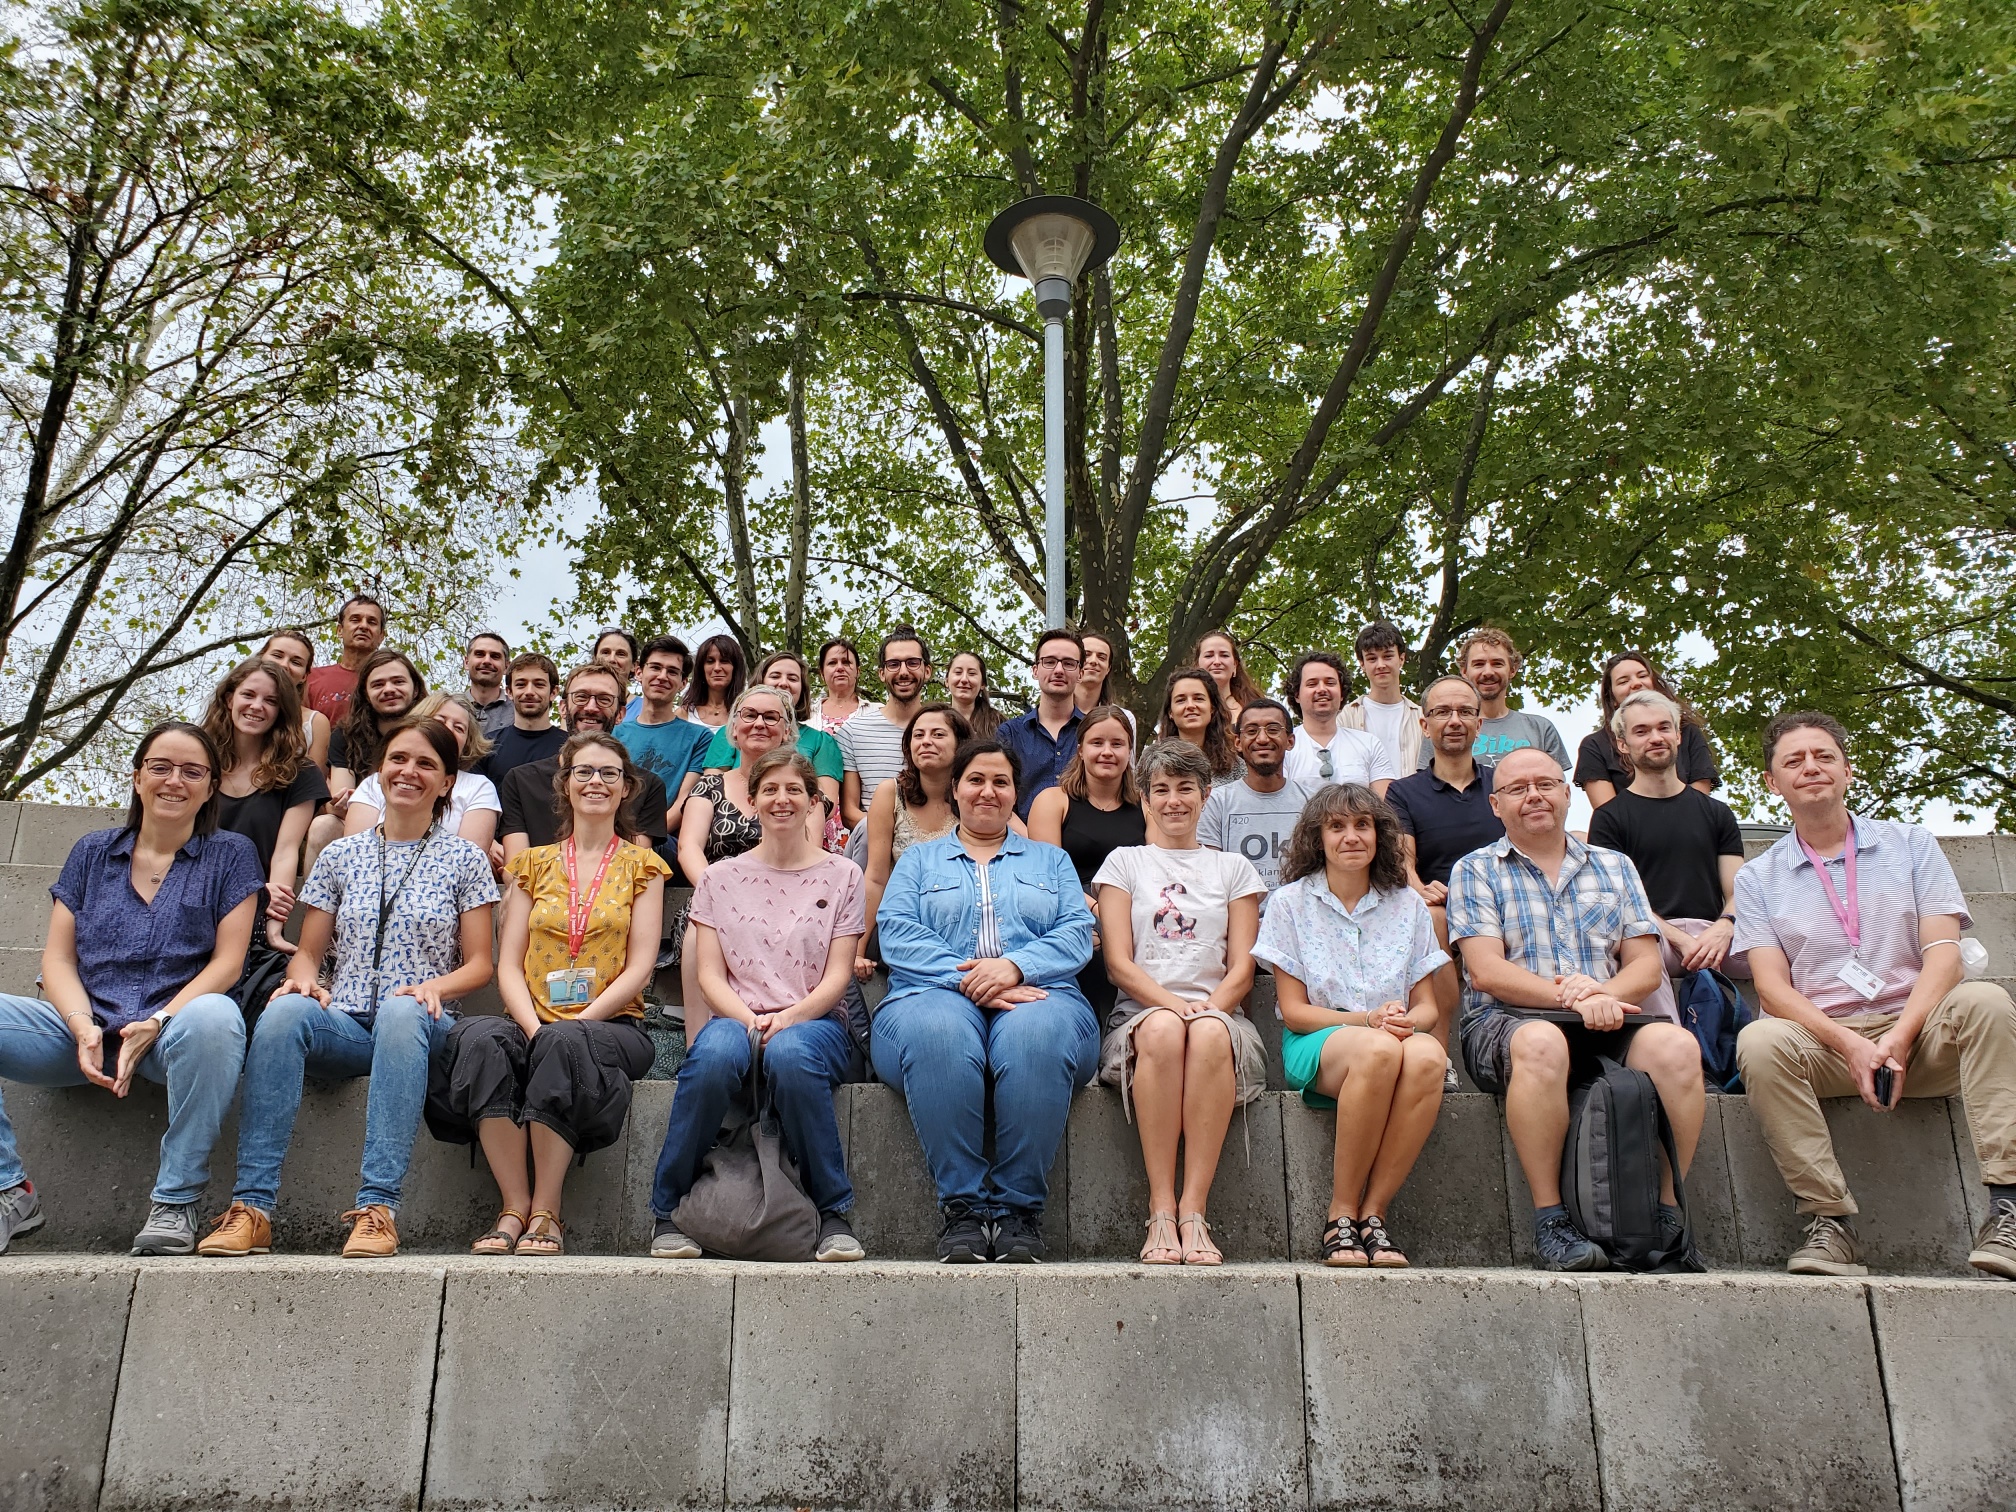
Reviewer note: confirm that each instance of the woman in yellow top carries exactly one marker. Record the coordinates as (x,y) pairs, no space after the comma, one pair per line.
(580,938)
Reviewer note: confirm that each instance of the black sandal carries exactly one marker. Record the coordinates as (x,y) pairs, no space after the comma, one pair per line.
(1341,1246)
(1378,1246)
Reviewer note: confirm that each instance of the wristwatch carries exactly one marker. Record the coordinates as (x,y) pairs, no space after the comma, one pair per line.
(1729,916)
(160,1016)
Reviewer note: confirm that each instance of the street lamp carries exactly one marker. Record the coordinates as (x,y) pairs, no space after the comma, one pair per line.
(1050,239)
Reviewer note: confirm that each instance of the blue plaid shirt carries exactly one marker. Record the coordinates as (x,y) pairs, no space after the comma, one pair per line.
(1579,924)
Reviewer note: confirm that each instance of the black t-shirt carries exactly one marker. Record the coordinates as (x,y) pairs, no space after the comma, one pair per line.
(258,816)
(527,797)
(1597,760)
(1676,843)
(513,748)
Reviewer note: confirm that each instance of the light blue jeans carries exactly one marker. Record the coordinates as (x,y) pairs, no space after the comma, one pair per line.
(197,1056)
(296,1037)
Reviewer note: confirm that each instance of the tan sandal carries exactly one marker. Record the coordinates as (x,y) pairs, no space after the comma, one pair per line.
(497,1242)
(1197,1246)
(1158,1251)
(545,1233)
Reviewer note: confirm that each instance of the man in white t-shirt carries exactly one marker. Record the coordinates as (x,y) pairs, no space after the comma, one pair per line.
(1383,710)
(1325,751)
(871,741)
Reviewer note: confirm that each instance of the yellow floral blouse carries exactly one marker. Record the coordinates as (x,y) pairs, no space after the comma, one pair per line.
(543,876)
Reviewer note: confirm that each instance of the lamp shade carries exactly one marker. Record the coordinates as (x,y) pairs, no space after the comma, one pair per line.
(1051,237)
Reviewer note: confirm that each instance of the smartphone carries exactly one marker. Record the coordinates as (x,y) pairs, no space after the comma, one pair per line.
(1886,1086)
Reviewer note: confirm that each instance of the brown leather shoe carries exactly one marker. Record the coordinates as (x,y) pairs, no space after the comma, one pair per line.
(373,1235)
(241,1231)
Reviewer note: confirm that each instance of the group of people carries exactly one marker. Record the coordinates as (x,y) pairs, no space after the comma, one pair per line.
(307,877)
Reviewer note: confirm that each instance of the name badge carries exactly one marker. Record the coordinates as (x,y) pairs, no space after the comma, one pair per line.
(571,988)
(1861,980)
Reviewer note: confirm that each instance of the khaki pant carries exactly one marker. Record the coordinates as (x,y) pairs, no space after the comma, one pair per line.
(1968,1046)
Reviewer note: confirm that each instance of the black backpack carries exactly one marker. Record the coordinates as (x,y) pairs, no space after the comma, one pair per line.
(1610,1169)
(1713,1011)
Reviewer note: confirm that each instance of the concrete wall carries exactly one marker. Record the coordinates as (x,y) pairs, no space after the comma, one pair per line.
(596,1383)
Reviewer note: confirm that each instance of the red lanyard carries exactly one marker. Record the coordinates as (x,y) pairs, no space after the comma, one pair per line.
(577,909)
(1850,912)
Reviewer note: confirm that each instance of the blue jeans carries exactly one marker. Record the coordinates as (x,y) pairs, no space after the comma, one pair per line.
(938,1047)
(801,1067)
(197,1057)
(296,1037)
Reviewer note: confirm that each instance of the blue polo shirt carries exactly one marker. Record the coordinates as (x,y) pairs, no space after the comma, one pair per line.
(1043,759)
(134,956)
(1447,822)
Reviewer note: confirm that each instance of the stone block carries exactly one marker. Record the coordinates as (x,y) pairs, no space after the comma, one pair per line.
(1248,1205)
(1489,1410)
(1266,1017)
(1759,1392)
(24,905)
(10,825)
(2005,855)
(1901,1166)
(44,832)
(302,1385)
(20,965)
(1994,925)
(1450,1212)
(1971,1185)
(1711,1200)
(94,1157)
(866,1386)
(1948,1353)
(1974,862)
(650,1107)
(1157,1388)
(65,1323)
(589,1384)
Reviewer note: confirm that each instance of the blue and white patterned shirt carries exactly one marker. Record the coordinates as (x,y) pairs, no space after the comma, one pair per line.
(1349,960)
(423,930)
(1578,924)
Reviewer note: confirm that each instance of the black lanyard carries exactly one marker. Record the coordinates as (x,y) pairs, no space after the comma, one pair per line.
(385,903)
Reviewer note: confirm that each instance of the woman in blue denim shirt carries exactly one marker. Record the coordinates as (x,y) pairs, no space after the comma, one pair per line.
(984,932)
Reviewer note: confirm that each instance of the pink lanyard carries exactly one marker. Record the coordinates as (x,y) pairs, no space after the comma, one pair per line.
(1850,912)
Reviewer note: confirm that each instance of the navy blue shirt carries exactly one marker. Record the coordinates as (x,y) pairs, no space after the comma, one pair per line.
(1043,759)
(512,748)
(1447,823)
(134,956)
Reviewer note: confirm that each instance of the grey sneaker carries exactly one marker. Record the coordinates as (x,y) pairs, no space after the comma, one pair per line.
(1831,1249)
(170,1230)
(20,1212)
(1560,1246)
(1450,1085)
(1994,1246)
(836,1239)
(667,1243)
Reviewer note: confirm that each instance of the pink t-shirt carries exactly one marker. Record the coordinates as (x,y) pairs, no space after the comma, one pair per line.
(777,927)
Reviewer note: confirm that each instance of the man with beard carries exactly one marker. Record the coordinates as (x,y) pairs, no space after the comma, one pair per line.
(871,741)
(1254,816)
(1491,662)
(593,701)
(1685,844)
(1046,738)
(1326,751)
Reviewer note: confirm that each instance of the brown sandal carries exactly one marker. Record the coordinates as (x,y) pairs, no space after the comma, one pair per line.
(497,1242)
(1197,1246)
(546,1233)
(1161,1250)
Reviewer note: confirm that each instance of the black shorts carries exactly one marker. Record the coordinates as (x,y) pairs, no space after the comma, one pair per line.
(1487,1046)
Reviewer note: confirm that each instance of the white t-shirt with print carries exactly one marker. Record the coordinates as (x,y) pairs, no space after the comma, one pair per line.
(1181,904)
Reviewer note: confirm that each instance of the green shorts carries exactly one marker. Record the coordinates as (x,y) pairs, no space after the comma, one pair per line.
(1301,1054)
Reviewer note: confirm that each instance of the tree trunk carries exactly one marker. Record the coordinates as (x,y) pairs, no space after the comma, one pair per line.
(801,499)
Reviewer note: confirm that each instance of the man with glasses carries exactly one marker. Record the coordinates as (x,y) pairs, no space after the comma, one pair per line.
(1254,816)
(593,701)
(1325,751)
(1548,925)
(871,741)
(1046,738)
(1491,662)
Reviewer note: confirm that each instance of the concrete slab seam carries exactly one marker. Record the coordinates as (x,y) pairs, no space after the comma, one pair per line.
(433,1389)
(1883,1385)
(1595,1418)
(118,1376)
(1302,1343)
(728,1404)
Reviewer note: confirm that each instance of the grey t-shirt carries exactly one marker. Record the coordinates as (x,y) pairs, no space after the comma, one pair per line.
(1513,730)
(1253,825)
(872,746)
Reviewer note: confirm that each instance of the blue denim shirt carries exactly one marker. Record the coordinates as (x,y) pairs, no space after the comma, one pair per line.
(929,920)
(134,956)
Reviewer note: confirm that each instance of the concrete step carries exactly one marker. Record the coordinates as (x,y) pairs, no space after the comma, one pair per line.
(41,834)
(94,1159)
(404,1382)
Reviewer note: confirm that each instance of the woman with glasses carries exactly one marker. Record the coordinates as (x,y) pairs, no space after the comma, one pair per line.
(786,670)
(1190,711)
(473,806)
(720,673)
(406,910)
(966,692)
(147,932)
(551,1079)
(720,818)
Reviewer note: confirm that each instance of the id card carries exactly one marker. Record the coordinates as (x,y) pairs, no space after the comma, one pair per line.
(1861,980)
(571,988)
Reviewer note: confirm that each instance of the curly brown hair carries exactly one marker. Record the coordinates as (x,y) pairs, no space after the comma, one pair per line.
(282,749)
(1217,742)
(1303,856)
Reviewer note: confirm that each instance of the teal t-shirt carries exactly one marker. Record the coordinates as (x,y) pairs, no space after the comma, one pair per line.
(820,748)
(668,751)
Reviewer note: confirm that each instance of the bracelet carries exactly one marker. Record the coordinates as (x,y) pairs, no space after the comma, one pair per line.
(71,1018)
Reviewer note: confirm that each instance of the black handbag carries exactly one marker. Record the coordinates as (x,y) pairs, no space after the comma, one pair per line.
(265,969)
(748,1203)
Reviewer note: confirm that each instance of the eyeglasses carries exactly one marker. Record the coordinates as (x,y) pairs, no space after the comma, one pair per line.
(1546,787)
(159,766)
(758,716)
(609,774)
(905,664)
(593,700)
(1452,711)
(1058,664)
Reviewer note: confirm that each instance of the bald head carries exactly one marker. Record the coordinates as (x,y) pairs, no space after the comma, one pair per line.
(1529,795)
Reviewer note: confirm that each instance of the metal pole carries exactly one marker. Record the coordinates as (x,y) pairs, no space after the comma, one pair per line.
(1053,468)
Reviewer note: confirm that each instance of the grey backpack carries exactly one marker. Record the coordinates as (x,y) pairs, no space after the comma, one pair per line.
(748,1203)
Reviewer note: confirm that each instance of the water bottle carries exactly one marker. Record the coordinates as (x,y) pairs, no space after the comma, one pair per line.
(1973,957)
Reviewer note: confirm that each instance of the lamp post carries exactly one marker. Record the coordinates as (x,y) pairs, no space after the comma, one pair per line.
(1051,239)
